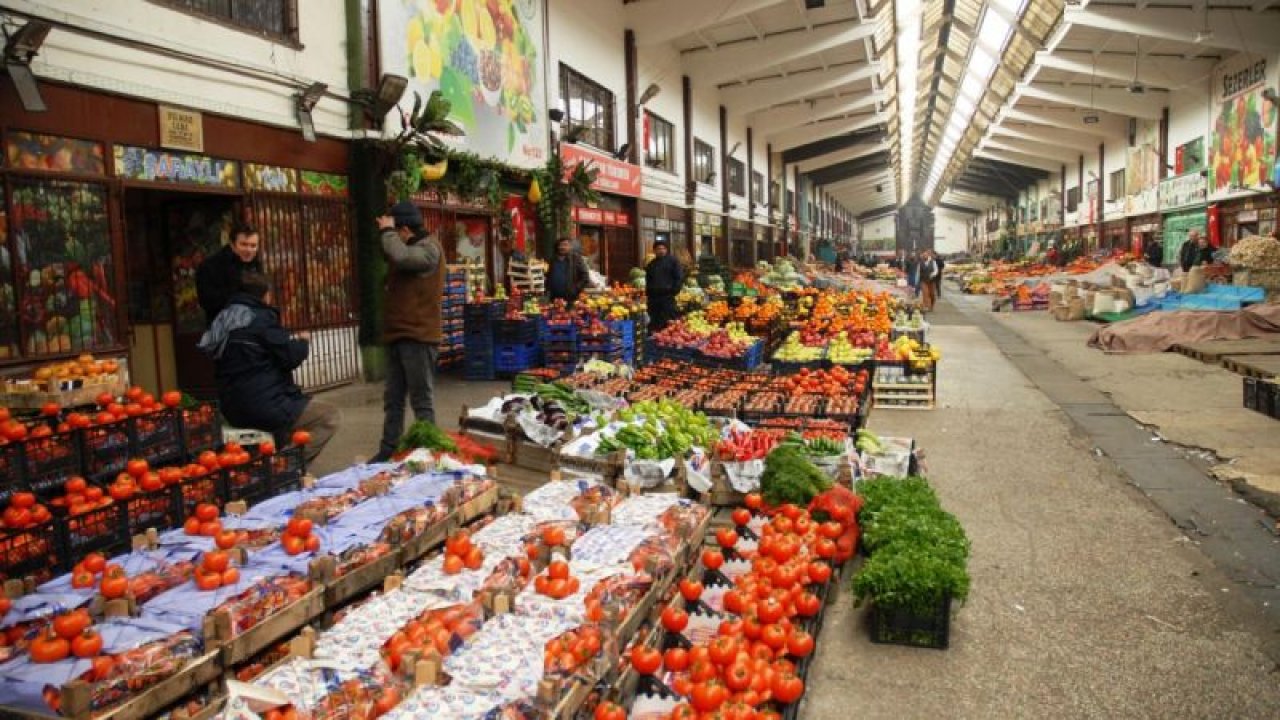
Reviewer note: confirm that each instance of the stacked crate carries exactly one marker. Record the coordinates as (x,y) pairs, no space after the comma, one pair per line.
(516,345)
(559,346)
(455,299)
(478,320)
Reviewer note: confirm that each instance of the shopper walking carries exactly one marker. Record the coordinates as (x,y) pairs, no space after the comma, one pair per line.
(1154,253)
(568,275)
(662,280)
(412,323)
(912,267)
(255,358)
(937,280)
(927,272)
(218,277)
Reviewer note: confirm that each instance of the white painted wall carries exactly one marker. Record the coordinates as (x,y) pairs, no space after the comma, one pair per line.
(877,228)
(1115,156)
(1188,117)
(950,231)
(256,78)
(738,134)
(706,127)
(660,65)
(587,36)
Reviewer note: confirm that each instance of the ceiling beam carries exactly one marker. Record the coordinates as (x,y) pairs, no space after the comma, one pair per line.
(1232,29)
(877,212)
(760,94)
(832,144)
(1017,158)
(850,168)
(965,209)
(1149,106)
(1162,71)
(653,21)
(782,117)
(1032,149)
(1108,126)
(749,57)
(1038,133)
(806,134)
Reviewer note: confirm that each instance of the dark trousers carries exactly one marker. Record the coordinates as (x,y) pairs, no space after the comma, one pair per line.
(321,420)
(662,310)
(411,370)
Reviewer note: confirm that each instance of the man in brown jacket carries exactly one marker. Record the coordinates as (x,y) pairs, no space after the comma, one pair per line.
(412,329)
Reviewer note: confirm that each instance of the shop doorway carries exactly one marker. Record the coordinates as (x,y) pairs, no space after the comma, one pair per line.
(168,235)
(620,253)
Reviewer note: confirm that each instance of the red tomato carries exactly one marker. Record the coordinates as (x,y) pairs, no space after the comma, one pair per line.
(712,559)
(301,437)
(786,688)
(266,447)
(299,526)
(676,659)
(674,619)
(741,516)
(737,677)
(171,399)
(755,501)
(799,644)
(216,561)
(206,512)
(87,644)
(690,590)
(645,660)
(726,537)
(610,711)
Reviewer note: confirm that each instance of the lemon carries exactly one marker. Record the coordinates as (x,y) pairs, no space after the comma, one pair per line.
(488,33)
(415,34)
(470,23)
(437,63)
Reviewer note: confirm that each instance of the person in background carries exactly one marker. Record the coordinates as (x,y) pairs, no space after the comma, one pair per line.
(662,280)
(218,277)
(1154,252)
(1194,251)
(911,265)
(255,357)
(568,275)
(927,275)
(937,279)
(412,327)
(1053,257)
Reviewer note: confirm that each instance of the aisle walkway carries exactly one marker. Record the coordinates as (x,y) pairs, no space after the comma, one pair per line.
(1086,601)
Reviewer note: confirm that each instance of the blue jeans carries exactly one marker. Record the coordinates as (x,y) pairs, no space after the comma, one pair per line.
(411,370)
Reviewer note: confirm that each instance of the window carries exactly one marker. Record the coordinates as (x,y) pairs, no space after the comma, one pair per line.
(791,202)
(774,200)
(587,105)
(704,162)
(757,188)
(658,149)
(1073,199)
(274,18)
(1115,182)
(737,177)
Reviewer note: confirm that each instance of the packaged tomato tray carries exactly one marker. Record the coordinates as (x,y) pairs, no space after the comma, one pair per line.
(135,654)
(260,592)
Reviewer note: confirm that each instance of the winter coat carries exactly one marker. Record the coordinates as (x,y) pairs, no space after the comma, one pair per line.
(567,277)
(218,278)
(663,277)
(254,358)
(415,288)
(1191,255)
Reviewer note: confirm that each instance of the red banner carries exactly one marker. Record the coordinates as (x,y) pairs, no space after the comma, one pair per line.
(615,176)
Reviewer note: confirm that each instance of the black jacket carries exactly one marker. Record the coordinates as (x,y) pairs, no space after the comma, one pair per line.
(255,358)
(218,278)
(567,277)
(1155,254)
(663,276)
(1191,255)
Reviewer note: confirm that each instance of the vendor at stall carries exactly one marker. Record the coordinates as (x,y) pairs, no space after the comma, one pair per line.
(663,278)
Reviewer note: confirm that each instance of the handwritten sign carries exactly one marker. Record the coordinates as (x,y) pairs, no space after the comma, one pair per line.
(137,163)
(181,129)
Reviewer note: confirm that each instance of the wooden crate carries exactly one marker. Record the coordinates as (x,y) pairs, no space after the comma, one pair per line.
(494,435)
(286,621)
(198,672)
(339,590)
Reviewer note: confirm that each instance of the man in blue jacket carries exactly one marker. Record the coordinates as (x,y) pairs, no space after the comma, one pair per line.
(255,358)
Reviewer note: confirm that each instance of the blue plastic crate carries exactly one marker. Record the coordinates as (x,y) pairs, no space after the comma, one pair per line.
(559,333)
(516,357)
(624,329)
(515,331)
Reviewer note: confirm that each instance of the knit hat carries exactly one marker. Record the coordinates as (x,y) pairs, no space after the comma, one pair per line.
(406,214)
(663,242)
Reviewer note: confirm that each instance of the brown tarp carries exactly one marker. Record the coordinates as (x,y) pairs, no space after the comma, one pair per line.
(1160,331)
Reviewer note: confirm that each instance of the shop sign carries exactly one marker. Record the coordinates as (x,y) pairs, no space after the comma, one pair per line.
(589,216)
(34,151)
(1242,143)
(137,163)
(1247,216)
(595,216)
(270,178)
(612,176)
(319,183)
(181,129)
(1183,190)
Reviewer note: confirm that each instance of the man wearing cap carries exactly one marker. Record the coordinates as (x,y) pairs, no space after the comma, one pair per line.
(662,280)
(412,326)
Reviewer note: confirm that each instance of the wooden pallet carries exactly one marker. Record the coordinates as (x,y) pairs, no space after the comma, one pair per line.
(1258,366)
(1213,351)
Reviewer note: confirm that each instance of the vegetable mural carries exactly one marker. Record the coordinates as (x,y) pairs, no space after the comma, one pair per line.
(1243,143)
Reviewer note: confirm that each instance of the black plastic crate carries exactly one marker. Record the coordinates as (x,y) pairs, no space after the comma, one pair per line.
(288,466)
(160,509)
(48,462)
(515,331)
(900,626)
(106,449)
(203,489)
(156,436)
(200,428)
(10,466)
(32,551)
(250,482)
(103,529)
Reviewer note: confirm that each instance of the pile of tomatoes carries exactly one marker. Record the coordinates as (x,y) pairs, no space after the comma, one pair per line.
(24,512)
(836,381)
(112,581)
(70,634)
(215,571)
(572,650)
(298,537)
(460,553)
(433,630)
(556,582)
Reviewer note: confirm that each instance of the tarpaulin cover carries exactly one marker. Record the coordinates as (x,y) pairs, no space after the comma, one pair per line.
(1158,332)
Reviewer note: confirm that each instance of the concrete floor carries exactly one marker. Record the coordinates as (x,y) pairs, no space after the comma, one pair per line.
(1086,600)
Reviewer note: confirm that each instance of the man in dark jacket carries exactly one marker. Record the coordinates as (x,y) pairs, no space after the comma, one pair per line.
(568,275)
(937,280)
(255,359)
(218,277)
(1195,251)
(1155,253)
(662,280)
(412,327)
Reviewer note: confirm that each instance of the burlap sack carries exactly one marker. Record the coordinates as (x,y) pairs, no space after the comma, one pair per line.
(1194,282)
(1075,309)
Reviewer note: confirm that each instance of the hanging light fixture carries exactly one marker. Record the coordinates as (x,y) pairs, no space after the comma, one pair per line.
(1091,117)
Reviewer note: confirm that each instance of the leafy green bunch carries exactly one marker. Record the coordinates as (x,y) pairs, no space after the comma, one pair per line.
(790,477)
